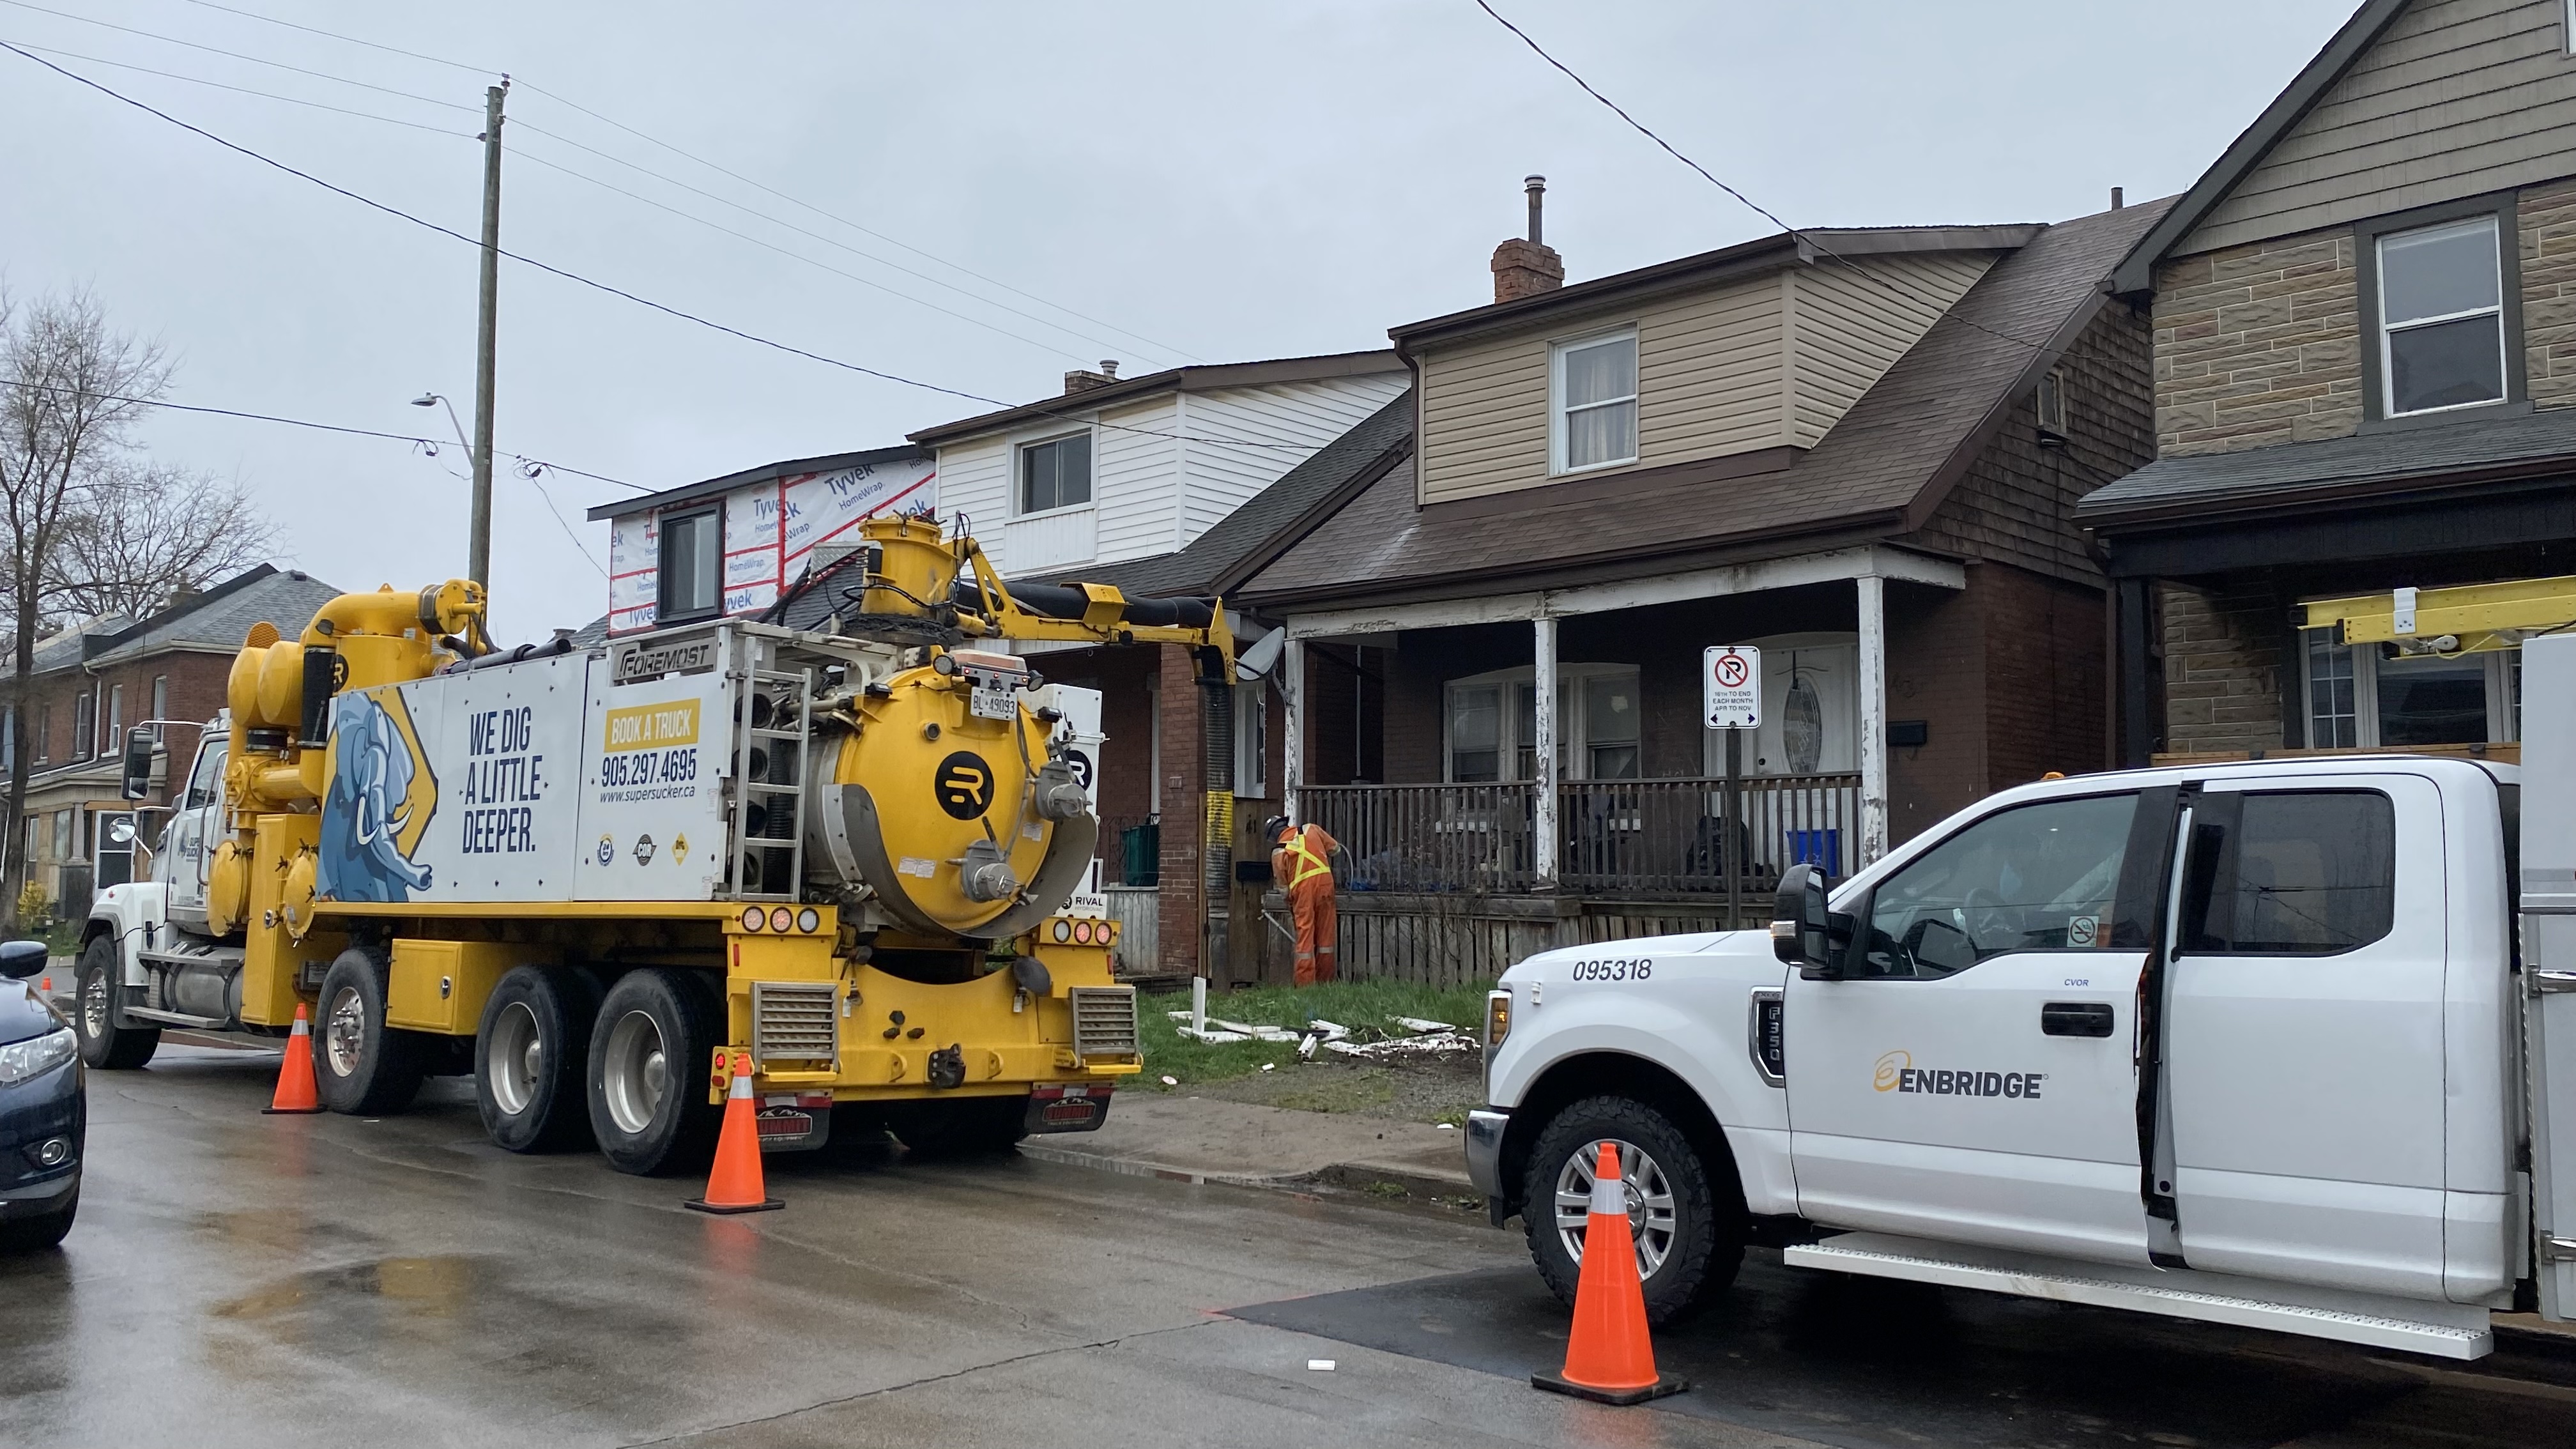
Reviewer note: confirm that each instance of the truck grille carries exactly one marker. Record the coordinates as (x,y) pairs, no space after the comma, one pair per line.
(1104,1020)
(795,1021)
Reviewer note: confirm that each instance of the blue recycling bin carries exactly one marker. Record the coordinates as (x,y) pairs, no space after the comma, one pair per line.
(1820,848)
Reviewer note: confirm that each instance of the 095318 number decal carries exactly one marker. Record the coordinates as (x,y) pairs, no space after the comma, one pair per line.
(1613,970)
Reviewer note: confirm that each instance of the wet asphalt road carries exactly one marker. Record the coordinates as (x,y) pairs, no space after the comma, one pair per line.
(241,1279)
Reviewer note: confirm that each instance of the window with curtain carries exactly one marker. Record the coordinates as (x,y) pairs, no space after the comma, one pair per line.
(1595,384)
(1492,725)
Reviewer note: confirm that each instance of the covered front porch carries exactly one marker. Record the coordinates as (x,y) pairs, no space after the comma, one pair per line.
(1514,772)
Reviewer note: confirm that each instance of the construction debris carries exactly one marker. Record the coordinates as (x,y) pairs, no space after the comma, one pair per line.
(1415,1023)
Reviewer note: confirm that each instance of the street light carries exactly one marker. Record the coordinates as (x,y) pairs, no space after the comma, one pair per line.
(431,399)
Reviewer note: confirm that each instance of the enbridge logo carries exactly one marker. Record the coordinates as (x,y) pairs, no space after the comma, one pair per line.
(1895,1072)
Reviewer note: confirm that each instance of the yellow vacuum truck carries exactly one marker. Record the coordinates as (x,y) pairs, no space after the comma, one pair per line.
(586,875)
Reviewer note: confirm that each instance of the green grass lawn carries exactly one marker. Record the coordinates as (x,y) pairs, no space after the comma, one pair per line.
(1363,1006)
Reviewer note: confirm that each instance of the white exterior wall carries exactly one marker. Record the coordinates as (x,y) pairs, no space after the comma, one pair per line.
(1159,476)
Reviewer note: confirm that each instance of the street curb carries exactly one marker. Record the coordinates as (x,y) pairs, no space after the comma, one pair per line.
(1345,1176)
(1360,1177)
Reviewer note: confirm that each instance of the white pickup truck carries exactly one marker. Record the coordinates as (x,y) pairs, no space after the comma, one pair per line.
(2272,1044)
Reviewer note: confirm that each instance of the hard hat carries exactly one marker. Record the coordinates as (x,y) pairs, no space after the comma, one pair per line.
(1271,827)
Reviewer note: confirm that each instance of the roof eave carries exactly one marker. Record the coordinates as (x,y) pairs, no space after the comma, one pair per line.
(2294,497)
(2135,274)
(1197,377)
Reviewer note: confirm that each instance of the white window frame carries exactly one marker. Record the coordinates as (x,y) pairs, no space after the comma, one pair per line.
(1556,430)
(662,560)
(1019,460)
(1251,740)
(2504,725)
(2052,390)
(2494,226)
(1573,735)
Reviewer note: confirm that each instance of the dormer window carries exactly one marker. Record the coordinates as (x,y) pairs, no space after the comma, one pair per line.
(1055,474)
(1593,402)
(692,565)
(2441,318)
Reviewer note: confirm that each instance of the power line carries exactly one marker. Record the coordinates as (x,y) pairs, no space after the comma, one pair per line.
(432,444)
(567,101)
(1941,308)
(237,55)
(646,302)
(247,91)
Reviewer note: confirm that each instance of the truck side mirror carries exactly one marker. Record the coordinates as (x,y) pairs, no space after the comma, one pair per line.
(138,763)
(1802,932)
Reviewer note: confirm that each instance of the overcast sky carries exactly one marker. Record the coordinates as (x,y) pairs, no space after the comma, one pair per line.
(1211,181)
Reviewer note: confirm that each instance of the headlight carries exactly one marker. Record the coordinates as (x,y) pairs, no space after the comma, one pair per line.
(20,1060)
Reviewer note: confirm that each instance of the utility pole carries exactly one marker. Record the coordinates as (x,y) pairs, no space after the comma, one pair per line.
(478,566)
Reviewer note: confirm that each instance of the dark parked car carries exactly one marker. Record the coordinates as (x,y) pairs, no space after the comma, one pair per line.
(44,1107)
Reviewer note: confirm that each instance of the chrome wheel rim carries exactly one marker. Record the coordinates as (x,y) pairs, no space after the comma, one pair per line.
(517,1051)
(344,1032)
(638,1073)
(93,1003)
(1652,1221)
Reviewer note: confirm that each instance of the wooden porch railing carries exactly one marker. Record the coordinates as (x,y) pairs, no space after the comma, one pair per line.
(1632,838)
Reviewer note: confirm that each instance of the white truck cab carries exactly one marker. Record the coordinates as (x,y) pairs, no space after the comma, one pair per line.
(2242,1042)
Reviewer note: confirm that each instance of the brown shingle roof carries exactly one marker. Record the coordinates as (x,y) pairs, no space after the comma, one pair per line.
(1879,471)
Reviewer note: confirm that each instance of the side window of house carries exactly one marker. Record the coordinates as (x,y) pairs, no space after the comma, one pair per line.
(692,565)
(1476,733)
(2293,873)
(1251,741)
(1596,402)
(1055,473)
(2033,878)
(1610,716)
(2441,317)
(84,725)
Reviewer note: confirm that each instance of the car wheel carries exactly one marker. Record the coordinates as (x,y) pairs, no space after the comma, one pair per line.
(960,1127)
(655,1033)
(1687,1222)
(530,1053)
(362,1066)
(104,1044)
(27,1235)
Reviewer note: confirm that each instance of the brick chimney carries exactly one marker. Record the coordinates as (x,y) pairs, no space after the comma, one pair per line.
(1083,379)
(1527,267)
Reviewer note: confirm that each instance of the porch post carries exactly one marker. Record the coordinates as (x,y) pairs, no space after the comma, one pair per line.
(1873,718)
(1292,750)
(1543,768)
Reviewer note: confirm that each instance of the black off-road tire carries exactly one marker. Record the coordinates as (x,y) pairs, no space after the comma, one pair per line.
(654,1121)
(95,986)
(1708,1206)
(959,1127)
(532,1056)
(362,1066)
(28,1235)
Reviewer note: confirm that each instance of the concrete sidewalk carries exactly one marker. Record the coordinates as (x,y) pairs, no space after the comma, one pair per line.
(1200,1139)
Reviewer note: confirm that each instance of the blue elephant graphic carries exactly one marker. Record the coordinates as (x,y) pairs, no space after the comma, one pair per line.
(362,814)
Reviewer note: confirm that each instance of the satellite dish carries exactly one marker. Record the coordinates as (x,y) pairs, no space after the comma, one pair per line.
(1257,661)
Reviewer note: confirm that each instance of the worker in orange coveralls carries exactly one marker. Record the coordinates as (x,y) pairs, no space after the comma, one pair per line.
(1301,861)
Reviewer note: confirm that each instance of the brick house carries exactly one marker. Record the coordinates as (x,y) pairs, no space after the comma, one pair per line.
(1856,449)
(94,681)
(2365,356)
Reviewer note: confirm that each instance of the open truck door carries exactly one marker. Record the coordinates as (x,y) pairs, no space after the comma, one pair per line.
(2548,975)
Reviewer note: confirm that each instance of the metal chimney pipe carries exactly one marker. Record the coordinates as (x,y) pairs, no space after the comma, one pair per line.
(1109,367)
(2117,199)
(1536,186)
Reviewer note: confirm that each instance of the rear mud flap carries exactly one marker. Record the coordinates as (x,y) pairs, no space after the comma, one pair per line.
(1067,1109)
(794,1123)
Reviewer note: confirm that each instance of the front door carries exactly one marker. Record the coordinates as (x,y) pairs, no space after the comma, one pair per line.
(1974,1076)
(2303,1033)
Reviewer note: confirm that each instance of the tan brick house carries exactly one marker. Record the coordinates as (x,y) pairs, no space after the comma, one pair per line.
(2365,360)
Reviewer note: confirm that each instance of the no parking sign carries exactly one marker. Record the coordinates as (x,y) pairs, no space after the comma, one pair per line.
(1731,682)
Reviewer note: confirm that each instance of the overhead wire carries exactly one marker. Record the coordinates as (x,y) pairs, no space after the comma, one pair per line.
(238,55)
(1945,310)
(247,91)
(646,302)
(606,120)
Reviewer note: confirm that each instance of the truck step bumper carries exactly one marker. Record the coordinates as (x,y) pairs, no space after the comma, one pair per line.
(2442,1330)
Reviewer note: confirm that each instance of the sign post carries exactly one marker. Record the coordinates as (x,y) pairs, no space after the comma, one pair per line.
(1731,685)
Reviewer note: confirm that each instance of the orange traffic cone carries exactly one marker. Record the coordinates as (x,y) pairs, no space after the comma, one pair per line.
(295,1091)
(734,1186)
(1608,1357)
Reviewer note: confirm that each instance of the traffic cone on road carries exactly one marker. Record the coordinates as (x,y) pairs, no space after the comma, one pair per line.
(295,1091)
(734,1185)
(1608,1357)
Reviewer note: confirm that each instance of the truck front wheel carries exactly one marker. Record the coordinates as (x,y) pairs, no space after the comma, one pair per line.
(1689,1231)
(530,1052)
(362,1066)
(647,1073)
(104,1044)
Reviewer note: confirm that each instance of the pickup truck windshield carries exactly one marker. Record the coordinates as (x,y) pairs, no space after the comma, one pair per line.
(2038,877)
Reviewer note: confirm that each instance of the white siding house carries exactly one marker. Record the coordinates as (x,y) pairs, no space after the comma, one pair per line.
(1121,469)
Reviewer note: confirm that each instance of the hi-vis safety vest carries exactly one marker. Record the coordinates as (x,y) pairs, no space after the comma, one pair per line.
(1308,864)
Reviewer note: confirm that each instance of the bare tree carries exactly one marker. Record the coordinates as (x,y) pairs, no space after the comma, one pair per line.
(70,392)
(147,533)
